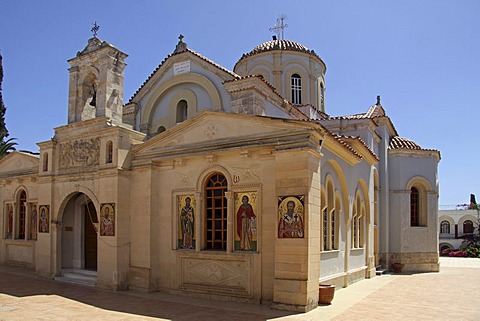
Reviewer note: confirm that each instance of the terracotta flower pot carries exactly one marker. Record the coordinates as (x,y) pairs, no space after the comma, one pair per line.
(397,267)
(325,293)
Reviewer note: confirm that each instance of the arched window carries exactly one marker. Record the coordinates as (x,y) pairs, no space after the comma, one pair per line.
(296,86)
(330,220)
(109,152)
(355,226)
(325,229)
(161,129)
(322,97)
(467,227)
(45,162)
(182,111)
(22,214)
(414,207)
(445,227)
(216,212)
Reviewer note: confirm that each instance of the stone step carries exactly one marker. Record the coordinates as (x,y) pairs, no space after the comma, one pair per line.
(78,276)
(381,271)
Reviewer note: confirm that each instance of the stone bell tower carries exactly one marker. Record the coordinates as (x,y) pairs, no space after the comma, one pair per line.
(96,82)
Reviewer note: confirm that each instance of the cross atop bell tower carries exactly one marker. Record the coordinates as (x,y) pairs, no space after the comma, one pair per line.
(96,81)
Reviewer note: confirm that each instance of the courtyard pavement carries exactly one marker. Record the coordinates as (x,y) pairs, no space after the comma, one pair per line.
(451,294)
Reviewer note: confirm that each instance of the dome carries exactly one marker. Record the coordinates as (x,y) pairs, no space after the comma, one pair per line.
(276,44)
(398,142)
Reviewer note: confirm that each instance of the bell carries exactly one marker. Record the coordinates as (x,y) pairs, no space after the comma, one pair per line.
(94,98)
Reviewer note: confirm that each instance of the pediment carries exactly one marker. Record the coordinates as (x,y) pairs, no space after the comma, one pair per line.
(18,163)
(181,64)
(221,130)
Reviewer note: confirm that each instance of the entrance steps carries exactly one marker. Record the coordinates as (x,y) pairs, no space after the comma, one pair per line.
(78,276)
(380,270)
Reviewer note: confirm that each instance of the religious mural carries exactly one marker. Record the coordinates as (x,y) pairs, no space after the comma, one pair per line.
(246,221)
(186,222)
(33,221)
(44,225)
(107,223)
(291,216)
(8,221)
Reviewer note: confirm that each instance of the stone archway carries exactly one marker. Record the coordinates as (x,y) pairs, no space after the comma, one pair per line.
(79,234)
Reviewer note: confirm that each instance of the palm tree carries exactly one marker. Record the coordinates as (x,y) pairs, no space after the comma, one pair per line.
(6,147)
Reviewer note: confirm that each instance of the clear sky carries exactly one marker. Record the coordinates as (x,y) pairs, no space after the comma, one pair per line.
(421,56)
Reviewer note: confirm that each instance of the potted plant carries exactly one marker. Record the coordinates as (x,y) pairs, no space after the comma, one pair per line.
(397,267)
(325,293)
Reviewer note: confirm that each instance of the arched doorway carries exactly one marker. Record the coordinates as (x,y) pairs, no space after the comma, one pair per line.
(79,234)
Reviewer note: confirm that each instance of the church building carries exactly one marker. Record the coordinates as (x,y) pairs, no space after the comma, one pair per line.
(225,184)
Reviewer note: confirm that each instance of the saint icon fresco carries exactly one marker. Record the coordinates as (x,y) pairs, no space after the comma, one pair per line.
(290,223)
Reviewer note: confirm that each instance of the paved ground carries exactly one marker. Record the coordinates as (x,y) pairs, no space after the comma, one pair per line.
(452,294)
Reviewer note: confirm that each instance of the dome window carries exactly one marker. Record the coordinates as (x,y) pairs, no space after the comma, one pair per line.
(296,86)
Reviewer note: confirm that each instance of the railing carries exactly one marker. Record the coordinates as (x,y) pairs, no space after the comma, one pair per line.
(457,207)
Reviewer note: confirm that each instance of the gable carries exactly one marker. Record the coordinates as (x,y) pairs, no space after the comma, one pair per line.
(219,130)
(17,163)
(188,77)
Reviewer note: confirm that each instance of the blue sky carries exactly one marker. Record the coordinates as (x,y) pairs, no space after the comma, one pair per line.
(421,56)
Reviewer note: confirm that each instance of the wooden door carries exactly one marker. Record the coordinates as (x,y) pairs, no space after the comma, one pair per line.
(90,243)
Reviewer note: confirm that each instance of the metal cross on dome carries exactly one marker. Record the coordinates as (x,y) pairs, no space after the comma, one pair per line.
(95,29)
(279,26)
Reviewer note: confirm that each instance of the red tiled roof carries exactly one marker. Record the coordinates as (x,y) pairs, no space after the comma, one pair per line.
(357,138)
(398,142)
(279,44)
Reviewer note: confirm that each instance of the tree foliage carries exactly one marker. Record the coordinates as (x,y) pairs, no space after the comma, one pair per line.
(3,109)
(7,146)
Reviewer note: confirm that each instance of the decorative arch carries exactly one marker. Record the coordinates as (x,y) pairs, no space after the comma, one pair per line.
(343,186)
(157,95)
(418,188)
(68,196)
(18,190)
(445,227)
(210,169)
(261,64)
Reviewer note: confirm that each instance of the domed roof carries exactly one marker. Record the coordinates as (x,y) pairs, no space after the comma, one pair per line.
(398,142)
(279,44)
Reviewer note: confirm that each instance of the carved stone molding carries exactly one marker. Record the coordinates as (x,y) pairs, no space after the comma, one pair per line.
(80,153)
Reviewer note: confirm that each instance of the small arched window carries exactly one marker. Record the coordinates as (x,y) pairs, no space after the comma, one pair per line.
(414,207)
(296,86)
(322,97)
(216,212)
(445,227)
(109,152)
(182,111)
(161,129)
(45,162)
(22,214)
(467,227)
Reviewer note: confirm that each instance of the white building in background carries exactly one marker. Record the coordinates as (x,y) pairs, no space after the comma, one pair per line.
(455,222)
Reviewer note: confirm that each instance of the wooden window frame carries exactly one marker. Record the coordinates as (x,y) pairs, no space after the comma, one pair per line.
(215,230)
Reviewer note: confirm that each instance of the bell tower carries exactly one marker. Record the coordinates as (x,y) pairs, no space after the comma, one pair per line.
(96,82)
